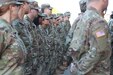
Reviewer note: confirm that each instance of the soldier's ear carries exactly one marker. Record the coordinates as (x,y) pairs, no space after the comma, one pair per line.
(104,1)
(10,7)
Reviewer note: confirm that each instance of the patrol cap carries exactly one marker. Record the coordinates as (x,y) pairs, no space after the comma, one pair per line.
(44,16)
(7,2)
(43,6)
(83,5)
(67,14)
(54,16)
(24,1)
(60,14)
(34,5)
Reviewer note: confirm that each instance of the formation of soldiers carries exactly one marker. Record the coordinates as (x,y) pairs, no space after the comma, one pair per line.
(29,49)
(33,41)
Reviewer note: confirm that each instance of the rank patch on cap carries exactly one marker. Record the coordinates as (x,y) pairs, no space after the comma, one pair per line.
(100,33)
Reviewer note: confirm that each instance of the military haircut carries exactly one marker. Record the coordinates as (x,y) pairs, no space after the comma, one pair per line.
(83,5)
(88,1)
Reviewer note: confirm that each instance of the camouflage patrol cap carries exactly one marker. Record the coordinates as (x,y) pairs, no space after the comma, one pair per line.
(43,6)
(83,5)
(54,16)
(67,14)
(24,1)
(59,14)
(7,2)
(34,5)
(44,16)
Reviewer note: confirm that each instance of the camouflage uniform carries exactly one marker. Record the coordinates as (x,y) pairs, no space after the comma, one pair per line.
(71,31)
(46,47)
(67,24)
(91,44)
(37,40)
(12,49)
(58,47)
(43,7)
(69,37)
(23,32)
(111,32)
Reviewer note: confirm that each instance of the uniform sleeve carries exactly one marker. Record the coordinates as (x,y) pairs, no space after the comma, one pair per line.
(71,32)
(110,24)
(1,40)
(99,48)
(6,39)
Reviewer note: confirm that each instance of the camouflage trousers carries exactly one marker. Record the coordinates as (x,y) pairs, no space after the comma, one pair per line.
(111,70)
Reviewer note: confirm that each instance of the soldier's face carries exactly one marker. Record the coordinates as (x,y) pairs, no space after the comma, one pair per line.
(66,18)
(34,12)
(53,20)
(46,21)
(57,22)
(14,9)
(48,11)
(40,20)
(26,7)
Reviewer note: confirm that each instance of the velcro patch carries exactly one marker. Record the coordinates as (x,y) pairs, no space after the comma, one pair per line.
(100,33)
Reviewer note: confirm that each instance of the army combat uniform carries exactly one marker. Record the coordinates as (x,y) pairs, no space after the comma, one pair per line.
(91,44)
(111,32)
(12,48)
(71,31)
(12,52)
(23,32)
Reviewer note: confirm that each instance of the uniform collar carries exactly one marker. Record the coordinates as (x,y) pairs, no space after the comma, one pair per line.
(93,9)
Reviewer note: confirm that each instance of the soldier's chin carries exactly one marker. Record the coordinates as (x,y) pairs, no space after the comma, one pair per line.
(105,9)
(26,12)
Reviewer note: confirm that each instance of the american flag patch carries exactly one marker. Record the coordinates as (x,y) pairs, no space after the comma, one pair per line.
(100,33)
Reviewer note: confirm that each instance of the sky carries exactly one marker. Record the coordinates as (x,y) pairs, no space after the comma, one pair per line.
(72,6)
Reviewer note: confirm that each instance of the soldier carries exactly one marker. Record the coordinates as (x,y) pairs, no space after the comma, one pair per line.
(20,25)
(91,45)
(67,24)
(30,17)
(12,49)
(61,28)
(69,37)
(110,23)
(22,28)
(46,9)
(36,37)
(45,24)
(44,50)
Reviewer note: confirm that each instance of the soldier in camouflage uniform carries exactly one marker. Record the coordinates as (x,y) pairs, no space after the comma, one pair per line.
(22,28)
(91,45)
(36,37)
(69,37)
(67,24)
(12,49)
(47,9)
(20,25)
(111,32)
(61,28)
(45,46)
